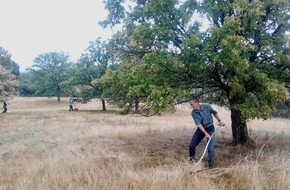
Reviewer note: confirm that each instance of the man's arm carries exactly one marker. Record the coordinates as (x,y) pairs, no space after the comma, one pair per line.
(204,131)
(218,119)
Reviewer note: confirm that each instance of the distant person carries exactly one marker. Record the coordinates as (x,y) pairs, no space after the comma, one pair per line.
(4,107)
(202,116)
(70,104)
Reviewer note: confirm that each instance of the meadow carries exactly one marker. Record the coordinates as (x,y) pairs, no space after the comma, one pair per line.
(44,146)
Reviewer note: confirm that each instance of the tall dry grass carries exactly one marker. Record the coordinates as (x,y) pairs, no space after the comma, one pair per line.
(43,146)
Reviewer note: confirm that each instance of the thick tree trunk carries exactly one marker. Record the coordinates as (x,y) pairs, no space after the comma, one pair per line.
(239,129)
(104,105)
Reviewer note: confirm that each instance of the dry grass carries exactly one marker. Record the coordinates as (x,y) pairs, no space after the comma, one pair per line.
(43,146)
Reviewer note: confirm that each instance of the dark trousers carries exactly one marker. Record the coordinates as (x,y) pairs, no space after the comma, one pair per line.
(5,110)
(71,108)
(197,138)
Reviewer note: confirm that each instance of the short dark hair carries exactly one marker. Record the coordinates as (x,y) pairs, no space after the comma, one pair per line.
(194,98)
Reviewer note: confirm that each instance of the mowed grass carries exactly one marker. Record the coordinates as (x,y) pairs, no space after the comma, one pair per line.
(44,146)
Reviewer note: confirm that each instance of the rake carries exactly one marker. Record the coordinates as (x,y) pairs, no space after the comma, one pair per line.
(220,126)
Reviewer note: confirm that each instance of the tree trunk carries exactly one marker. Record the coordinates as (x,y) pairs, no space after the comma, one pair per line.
(104,105)
(58,93)
(136,104)
(239,129)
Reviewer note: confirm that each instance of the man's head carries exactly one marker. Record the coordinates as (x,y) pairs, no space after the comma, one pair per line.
(194,103)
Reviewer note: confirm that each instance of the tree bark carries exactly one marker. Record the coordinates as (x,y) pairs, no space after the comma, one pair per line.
(104,105)
(136,105)
(239,129)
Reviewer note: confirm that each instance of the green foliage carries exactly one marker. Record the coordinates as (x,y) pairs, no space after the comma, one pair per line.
(51,74)
(91,65)
(247,45)
(7,63)
(8,84)
(9,71)
(117,12)
(262,102)
(241,60)
(115,85)
(155,81)
(26,87)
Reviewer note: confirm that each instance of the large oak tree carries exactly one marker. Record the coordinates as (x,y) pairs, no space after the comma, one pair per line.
(241,59)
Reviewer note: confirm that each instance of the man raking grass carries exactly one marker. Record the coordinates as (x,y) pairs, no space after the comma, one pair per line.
(202,116)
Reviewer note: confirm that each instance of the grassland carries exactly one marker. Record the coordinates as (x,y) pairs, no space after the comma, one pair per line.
(43,146)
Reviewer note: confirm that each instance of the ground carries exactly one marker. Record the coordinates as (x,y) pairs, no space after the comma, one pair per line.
(44,146)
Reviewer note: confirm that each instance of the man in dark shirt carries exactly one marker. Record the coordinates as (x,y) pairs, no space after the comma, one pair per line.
(202,116)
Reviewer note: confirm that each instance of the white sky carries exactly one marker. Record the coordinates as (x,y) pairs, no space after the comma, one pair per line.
(31,27)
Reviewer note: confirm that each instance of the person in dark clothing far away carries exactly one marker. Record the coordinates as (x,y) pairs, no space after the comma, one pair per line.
(70,104)
(4,107)
(202,116)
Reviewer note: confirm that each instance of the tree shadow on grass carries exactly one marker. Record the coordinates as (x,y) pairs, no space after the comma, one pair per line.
(109,112)
(98,111)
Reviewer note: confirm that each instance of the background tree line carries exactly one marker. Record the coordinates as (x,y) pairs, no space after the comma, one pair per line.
(163,55)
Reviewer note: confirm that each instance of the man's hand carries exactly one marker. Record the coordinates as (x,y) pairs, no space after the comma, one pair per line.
(221,123)
(207,136)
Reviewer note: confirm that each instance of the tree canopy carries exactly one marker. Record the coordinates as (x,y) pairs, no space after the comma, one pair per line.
(50,74)
(9,70)
(241,60)
(8,63)
(91,65)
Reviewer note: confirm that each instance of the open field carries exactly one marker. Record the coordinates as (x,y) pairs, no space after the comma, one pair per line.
(43,146)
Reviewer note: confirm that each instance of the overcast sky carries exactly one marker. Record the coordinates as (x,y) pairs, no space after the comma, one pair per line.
(32,27)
